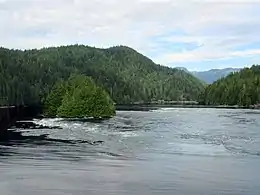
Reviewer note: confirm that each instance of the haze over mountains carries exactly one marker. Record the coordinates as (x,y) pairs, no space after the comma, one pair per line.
(212,75)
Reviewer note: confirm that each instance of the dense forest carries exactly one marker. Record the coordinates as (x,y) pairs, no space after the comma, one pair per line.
(27,77)
(240,88)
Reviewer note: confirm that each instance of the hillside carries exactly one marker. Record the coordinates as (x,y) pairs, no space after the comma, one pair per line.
(240,88)
(26,77)
(213,75)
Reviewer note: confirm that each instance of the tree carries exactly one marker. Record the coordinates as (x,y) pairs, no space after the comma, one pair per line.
(79,97)
(54,99)
(240,88)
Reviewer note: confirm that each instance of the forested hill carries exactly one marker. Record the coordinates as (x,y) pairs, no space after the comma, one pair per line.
(26,77)
(240,88)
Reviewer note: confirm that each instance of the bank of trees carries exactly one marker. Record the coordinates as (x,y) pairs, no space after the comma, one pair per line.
(27,77)
(241,88)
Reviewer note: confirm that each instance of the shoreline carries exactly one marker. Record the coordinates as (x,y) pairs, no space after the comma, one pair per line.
(149,107)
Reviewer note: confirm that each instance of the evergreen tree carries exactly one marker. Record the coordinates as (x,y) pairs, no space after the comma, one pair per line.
(241,88)
(79,97)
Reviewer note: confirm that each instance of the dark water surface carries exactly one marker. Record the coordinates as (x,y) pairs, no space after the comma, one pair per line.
(169,151)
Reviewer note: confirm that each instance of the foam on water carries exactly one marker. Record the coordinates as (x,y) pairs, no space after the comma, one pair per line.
(165,110)
(50,122)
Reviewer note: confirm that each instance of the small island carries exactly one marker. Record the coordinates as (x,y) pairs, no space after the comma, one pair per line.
(78,97)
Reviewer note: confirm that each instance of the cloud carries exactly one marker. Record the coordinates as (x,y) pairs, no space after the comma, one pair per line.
(199,56)
(169,31)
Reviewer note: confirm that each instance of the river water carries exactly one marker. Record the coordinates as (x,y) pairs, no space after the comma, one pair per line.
(167,151)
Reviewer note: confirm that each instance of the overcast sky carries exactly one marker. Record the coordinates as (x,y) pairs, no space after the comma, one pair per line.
(196,34)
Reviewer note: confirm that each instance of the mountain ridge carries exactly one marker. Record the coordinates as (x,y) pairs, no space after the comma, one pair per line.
(212,75)
(26,77)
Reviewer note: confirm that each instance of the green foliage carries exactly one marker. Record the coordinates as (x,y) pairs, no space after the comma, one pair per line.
(26,77)
(54,99)
(241,88)
(79,97)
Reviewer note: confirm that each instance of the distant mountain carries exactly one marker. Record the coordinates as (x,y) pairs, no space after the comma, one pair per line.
(213,75)
(183,69)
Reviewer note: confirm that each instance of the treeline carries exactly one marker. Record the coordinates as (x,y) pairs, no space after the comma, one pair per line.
(26,77)
(240,88)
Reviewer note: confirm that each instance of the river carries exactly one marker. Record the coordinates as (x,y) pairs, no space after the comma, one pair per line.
(167,151)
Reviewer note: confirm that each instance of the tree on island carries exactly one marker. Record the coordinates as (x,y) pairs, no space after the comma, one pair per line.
(79,97)
(54,99)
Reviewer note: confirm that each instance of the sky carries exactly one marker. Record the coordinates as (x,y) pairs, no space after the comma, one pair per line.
(196,34)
